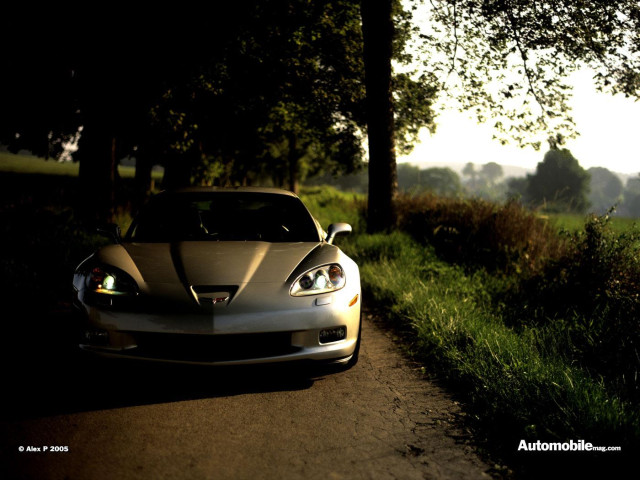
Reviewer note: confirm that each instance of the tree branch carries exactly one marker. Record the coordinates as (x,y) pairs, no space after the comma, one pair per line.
(456,39)
(523,56)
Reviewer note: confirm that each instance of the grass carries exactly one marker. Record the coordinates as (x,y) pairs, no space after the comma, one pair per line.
(510,376)
(28,164)
(549,369)
(573,222)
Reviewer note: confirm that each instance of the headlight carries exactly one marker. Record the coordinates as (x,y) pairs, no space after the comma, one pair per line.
(110,281)
(323,279)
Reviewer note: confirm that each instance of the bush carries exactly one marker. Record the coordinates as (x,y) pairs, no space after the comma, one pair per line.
(591,297)
(477,233)
(41,249)
(515,386)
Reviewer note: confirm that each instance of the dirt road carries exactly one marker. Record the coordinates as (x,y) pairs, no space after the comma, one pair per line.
(378,420)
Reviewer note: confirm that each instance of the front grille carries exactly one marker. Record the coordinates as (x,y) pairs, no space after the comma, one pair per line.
(211,348)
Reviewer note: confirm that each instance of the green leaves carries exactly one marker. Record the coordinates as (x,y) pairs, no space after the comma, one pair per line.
(494,56)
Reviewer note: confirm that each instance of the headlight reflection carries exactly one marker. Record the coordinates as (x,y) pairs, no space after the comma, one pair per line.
(319,280)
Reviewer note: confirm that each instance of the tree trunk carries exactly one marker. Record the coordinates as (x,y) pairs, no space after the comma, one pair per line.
(377,31)
(177,172)
(113,176)
(97,176)
(294,168)
(142,181)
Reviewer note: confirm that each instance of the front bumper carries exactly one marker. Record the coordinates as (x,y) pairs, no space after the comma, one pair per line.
(283,330)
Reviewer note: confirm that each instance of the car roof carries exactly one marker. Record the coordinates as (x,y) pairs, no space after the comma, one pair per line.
(278,191)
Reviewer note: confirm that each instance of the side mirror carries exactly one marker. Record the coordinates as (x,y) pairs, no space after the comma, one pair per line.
(111,230)
(336,229)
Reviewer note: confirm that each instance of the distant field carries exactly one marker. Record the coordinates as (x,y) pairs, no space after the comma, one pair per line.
(36,165)
(28,164)
(574,222)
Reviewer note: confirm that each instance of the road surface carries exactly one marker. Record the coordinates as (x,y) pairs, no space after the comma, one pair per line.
(379,420)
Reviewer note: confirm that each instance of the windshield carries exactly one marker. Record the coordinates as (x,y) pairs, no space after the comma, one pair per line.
(224,216)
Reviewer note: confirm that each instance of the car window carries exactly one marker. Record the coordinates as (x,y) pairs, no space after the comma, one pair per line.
(224,216)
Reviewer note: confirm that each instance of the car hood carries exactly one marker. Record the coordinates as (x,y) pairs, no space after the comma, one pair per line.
(217,263)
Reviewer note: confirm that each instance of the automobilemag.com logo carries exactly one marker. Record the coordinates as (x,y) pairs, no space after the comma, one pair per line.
(570,446)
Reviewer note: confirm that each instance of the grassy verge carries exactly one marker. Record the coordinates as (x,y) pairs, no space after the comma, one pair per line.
(495,302)
(516,385)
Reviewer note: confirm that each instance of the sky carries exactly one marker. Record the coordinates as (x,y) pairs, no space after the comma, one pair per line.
(609,128)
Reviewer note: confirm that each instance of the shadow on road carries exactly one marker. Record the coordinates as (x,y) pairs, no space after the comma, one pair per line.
(44,374)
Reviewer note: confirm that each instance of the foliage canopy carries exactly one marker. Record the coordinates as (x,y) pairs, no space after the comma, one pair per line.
(508,60)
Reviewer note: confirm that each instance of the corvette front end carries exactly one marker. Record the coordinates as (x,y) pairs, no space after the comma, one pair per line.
(220,302)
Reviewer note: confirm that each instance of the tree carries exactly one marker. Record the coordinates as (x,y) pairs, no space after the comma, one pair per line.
(260,88)
(491,172)
(305,113)
(517,188)
(469,170)
(111,93)
(631,198)
(378,35)
(436,180)
(508,60)
(386,31)
(511,58)
(441,181)
(71,78)
(605,189)
(409,177)
(560,183)
(632,206)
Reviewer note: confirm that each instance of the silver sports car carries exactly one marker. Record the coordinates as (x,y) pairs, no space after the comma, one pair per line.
(222,276)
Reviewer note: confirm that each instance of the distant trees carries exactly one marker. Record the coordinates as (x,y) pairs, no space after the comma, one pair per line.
(516,188)
(438,180)
(441,181)
(630,205)
(560,183)
(357,182)
(483,182)
(606,190)
(469,171)
(491,172)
